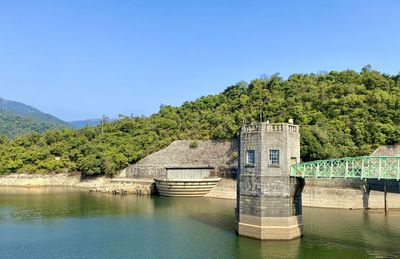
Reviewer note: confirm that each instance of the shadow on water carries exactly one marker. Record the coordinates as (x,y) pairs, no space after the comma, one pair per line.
(217,213)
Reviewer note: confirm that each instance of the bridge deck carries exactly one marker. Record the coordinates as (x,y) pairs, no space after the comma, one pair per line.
(365,167)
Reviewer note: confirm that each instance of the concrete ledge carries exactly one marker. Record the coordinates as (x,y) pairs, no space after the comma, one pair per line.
(347,198)
(225,189)
(131,180)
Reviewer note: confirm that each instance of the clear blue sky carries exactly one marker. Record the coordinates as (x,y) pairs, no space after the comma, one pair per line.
(82,59)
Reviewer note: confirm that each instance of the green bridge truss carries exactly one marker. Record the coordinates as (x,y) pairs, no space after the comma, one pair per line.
(365,167)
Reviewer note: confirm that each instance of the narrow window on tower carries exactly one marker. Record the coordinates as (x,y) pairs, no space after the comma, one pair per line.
(251,157)
(273,157)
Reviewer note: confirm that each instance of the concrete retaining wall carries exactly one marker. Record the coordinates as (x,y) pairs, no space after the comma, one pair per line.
(100,184)
(225,189)
(191,173)
(330,193)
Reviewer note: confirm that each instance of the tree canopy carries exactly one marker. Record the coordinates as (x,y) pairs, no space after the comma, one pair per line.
(341,113)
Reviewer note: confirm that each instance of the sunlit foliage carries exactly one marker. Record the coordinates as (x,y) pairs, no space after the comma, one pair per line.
(343,113)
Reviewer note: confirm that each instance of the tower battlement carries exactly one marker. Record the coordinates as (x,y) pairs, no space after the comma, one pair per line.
(271,127)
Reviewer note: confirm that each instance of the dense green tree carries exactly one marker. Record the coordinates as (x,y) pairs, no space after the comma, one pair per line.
(341,113)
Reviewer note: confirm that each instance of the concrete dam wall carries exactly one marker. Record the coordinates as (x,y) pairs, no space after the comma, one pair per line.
(219,159)
(331,193)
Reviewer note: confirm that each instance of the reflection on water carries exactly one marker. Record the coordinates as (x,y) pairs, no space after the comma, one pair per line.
(250,248)
(54,203)
(369,230)
(59,222)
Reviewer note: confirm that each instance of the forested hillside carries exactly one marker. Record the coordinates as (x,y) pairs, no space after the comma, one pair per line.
(342,113)
(17,118)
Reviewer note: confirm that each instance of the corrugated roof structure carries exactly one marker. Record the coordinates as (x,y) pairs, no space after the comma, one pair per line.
(220,155)
(388,150)
(194,154)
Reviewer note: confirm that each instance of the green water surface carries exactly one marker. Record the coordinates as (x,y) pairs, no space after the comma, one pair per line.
(68,223)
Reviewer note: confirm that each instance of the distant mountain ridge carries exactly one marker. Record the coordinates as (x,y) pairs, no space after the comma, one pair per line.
(83,123)
(17,118)
(12,106)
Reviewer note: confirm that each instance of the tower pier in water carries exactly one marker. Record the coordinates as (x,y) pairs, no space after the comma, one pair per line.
(268,199)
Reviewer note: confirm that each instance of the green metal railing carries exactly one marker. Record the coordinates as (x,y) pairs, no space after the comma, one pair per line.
(365,167)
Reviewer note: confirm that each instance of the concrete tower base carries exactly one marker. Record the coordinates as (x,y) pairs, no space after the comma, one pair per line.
(271,228)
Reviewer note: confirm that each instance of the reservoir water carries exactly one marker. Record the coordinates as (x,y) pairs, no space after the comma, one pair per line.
(69,223)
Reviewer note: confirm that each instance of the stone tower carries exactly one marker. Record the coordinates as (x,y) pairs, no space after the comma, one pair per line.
(268,199)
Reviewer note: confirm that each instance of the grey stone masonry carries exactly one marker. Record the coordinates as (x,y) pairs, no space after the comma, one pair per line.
(217,155)
(267,195)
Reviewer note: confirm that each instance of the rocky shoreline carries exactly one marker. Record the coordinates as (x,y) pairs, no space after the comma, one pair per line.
(121,186)
(98,184)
